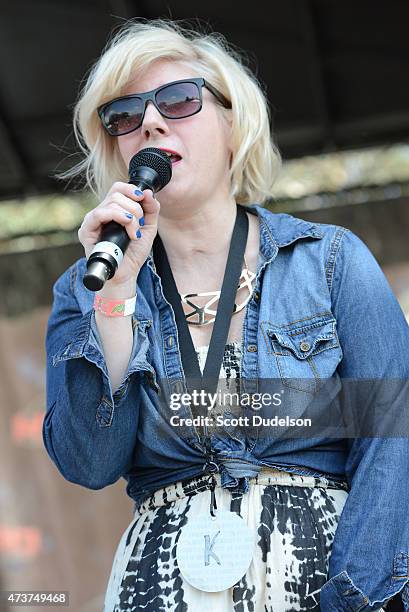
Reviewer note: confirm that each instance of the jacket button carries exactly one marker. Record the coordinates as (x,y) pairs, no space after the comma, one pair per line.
(305,346)
(252,348)
(257,296)
(178,386)
(170,342)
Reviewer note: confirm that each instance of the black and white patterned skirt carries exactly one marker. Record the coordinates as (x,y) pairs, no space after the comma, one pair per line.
(295,518)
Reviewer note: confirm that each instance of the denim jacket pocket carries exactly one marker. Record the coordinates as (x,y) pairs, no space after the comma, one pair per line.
(307,351)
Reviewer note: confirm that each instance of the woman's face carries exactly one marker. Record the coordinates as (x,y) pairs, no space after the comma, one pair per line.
(201,140)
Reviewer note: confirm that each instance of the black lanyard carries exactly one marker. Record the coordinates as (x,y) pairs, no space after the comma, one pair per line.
(222,322)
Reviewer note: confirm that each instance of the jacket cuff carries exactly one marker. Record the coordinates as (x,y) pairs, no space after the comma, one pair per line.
(83,344)
(339,594)
(87,343)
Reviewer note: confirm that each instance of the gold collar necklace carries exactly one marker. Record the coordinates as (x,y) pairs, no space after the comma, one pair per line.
(200,312)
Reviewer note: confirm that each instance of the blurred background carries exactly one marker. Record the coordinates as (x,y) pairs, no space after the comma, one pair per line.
(336,76)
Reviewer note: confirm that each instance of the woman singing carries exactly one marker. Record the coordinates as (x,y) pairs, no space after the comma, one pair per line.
(226,517)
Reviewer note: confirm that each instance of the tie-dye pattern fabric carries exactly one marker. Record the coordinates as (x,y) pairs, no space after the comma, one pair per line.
(295,518)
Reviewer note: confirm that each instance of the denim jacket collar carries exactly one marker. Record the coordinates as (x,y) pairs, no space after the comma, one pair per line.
(280,230)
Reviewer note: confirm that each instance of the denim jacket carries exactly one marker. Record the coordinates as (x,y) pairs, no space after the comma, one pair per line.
(321,307)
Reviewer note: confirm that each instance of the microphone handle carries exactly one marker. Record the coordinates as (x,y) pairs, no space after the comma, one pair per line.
(109,251)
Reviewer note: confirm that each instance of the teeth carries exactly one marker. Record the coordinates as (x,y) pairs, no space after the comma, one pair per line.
(172,156)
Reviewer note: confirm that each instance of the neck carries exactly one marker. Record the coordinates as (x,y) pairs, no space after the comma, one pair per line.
(203,234)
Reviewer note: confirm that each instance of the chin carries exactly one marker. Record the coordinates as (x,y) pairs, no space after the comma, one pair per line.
(174,190)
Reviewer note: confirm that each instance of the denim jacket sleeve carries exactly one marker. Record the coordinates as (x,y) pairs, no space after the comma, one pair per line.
(370,555)
(88,433)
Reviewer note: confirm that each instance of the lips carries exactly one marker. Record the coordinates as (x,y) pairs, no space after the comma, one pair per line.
(174,156)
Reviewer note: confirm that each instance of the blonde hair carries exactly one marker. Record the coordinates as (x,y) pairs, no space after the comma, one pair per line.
(255,160)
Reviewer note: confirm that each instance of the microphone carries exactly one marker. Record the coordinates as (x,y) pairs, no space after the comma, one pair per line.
(151,169)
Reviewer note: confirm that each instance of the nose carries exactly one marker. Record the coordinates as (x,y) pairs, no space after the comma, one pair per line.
(153,121)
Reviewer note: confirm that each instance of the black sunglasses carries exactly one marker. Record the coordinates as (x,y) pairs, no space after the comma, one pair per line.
(174,100)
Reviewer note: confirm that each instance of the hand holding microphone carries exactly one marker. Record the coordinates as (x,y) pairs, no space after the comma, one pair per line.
(114,252)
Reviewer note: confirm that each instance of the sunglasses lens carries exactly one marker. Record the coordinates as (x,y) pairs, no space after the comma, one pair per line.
(179,100)
(123,116)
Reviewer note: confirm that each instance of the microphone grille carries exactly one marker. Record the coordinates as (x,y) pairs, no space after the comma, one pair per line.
(153,158)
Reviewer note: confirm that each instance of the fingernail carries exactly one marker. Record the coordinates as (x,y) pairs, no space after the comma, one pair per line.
(142,221)
(129,215)
(138,234)
(138,192)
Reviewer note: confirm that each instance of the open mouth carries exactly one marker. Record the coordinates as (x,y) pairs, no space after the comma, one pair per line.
(174,157)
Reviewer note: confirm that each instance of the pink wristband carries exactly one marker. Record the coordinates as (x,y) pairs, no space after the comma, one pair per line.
(114,308)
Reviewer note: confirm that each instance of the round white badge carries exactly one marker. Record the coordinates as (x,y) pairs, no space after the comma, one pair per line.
(215,553)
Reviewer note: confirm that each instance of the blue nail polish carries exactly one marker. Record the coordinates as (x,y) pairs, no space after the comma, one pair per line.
(141,221)
(138,234)
(129,215)
(138,192)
